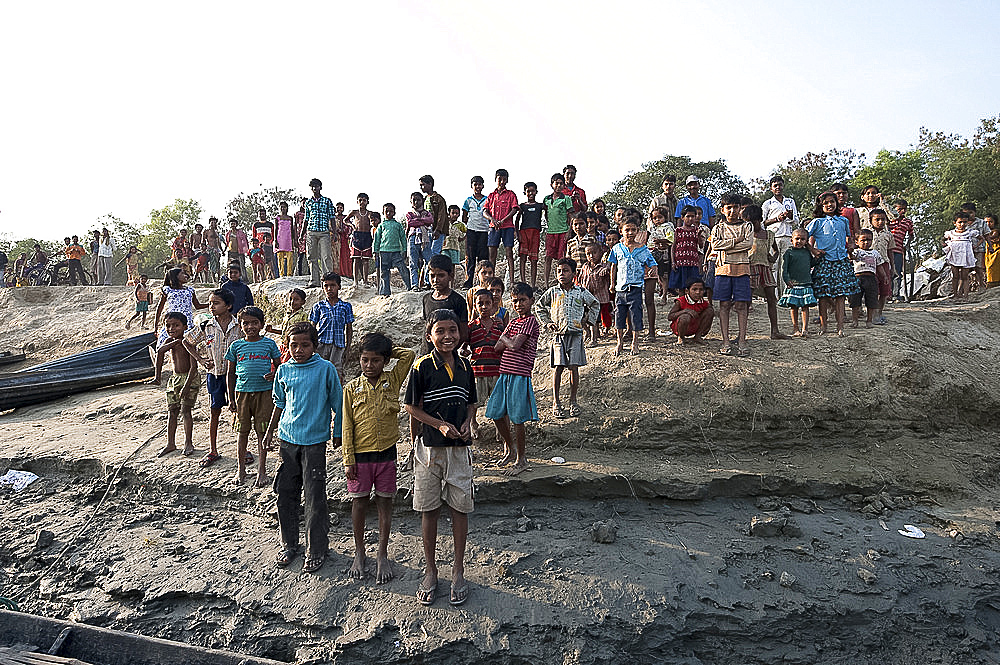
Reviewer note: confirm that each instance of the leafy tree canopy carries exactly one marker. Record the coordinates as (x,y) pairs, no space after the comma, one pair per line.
(638,188)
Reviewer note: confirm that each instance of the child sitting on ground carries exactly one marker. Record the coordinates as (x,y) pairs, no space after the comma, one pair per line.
(513,398)
(370,433)
(567,310)
(692,314)
(484,333)
(865,265)
(796,273)
(595,276)
(441,401)
(306,391)
(183,385)
(250,382)
(763,255)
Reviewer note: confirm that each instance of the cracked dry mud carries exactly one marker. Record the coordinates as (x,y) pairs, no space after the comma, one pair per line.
(755,502)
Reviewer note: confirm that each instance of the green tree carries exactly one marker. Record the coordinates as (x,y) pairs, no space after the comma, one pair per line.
(638,188)
(810,175)
(244,207)
(162,228)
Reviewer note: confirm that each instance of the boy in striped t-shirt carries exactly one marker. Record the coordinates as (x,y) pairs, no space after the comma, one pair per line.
(513,398)
(484,333)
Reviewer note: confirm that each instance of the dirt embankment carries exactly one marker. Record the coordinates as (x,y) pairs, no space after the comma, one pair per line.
(796,466)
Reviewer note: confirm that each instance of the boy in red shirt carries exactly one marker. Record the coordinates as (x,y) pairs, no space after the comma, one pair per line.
(500,207)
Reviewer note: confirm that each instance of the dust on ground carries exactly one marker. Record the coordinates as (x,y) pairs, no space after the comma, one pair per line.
(754,506)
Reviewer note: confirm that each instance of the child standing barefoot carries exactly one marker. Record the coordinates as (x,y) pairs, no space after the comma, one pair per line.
(484,333)
(595,276)
(143,298)
(182,388)
(361,240)
(371,429)
(959,250)
(763,255)
(796,273)
(441,401)
(692,314)
(833,277)
(250,383)
(513,398)
(629,260)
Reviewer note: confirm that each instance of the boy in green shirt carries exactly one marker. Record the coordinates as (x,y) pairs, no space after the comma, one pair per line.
(557,207)
(389,243)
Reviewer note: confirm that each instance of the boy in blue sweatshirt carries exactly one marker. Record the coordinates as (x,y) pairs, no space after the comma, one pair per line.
(306,390)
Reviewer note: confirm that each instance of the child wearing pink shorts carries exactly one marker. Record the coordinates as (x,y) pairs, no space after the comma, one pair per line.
(370,433)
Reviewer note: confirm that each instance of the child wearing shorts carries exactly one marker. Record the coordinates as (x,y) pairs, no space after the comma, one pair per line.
(370,433)
(250,382)
(182,387)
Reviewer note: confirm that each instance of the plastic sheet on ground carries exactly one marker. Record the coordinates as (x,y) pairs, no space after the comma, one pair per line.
(18,480)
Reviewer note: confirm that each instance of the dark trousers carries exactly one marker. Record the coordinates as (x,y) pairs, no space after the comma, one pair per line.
(76,271)
(303,468)
(476,250)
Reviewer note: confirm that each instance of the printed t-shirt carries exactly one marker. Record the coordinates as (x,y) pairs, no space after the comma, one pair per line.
(531,215)
(686,245)
(521,361)
(253,361)
(477,221)
(442,392)
(865,260)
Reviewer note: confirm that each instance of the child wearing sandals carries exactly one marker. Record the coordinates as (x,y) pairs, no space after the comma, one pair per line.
(796,273)
(732,240)
(567,310)
(370,433)
(306,390)
(513,398)
(441,400)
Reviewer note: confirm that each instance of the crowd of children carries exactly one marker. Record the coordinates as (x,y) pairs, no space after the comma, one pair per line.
(480,347)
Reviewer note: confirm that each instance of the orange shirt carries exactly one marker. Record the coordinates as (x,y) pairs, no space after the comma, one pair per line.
(75,251)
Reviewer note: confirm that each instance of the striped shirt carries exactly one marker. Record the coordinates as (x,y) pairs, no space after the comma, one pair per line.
(443,393)
(569,309)
(331,321)
(485,360)
(319,213)
(521,361)
(901,229)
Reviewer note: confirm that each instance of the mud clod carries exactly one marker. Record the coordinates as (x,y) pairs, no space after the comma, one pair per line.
(604,532)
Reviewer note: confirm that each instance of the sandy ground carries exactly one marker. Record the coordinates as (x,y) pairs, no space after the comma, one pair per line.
(826,446)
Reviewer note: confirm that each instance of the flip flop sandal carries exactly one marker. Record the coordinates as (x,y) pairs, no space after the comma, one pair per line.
(209,459)
(558,412)
(575,410)
(726,351)
(459,595)
(312,565)
(743,352)
(427,596)
(249,459)
(285,557)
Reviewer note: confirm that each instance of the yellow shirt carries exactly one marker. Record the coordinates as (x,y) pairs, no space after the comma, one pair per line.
(371,412)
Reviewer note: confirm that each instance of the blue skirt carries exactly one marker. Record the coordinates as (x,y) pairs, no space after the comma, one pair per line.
(797,296)
(833,279)
(512,396)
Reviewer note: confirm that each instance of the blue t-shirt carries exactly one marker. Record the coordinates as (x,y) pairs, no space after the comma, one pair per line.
(707,210)
(253,361)
(631,265)
(831,235)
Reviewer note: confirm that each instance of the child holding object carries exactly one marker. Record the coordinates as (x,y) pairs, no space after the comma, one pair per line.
(183,385)
(441,400)
(796,273)
(306,391)
(370,433)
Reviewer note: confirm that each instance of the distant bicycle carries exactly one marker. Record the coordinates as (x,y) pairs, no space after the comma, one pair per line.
(56,273)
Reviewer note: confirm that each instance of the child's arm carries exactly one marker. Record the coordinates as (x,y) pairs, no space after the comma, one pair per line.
(348,336)
(231,385)
(675,311)
(447,429)
(347,439)
(198,305)
(159,310)
(543,311)
(772,251)
(784,271)
(404,361)
(192,366)
(158,365)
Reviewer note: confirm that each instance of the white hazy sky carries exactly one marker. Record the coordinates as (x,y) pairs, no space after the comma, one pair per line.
(121,107)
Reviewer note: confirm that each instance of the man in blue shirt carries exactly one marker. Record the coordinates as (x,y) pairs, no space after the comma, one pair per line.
(319,214)
(694,198)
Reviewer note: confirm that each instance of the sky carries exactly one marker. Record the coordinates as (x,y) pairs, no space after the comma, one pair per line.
(122,107)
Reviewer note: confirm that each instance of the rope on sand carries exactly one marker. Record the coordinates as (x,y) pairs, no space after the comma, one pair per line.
(24,591)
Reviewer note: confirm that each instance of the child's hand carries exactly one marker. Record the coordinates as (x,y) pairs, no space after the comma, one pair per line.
(553,327)
(269,376)
(499,347)
(232,405)
(466,431)
(351,472)
(450,431)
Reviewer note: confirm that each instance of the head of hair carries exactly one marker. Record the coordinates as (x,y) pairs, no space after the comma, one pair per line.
(878,211)
(969,206)
(283,204)
(594,203)
(522,289)
(866,232)
(484,292)
(213,218)
(752,213)
(503,173)
(419,195)
(378,343)
(477,179)
(225,295)
(818,210)
(963,214)
(315,182)
(234,267)
(253,313)
(386,206)
(304,328)
(362,195)
(839,187)
(689,208)
(442,262)
(670,177)
(530,184)
(694,280)
(569,167)
(776,178)
(867,187)
(171,278)
(730,198)
(496,281)
(801,232)
(901,202)
(428,179)
(566,261)
(454,207)
(746,201)
(299,292)
(437,315)
(483,263)
(591,215)
(177,316)
(555,177)
(666,214)
(332,277)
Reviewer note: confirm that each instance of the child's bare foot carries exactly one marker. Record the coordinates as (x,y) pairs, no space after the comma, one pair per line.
(651,335)
(240,477)
(166,450)
(854,324)
(868,324)
(840,332)
(188,449)
(635,349)
(505,460)
(262,480)
(698,339)
(383,570)
(619,348)
(796,333)
(778,335)
(358,567)
(593,342)
(681,341)
(518,467)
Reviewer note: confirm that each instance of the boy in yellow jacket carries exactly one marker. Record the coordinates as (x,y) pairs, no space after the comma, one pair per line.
(370,433)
